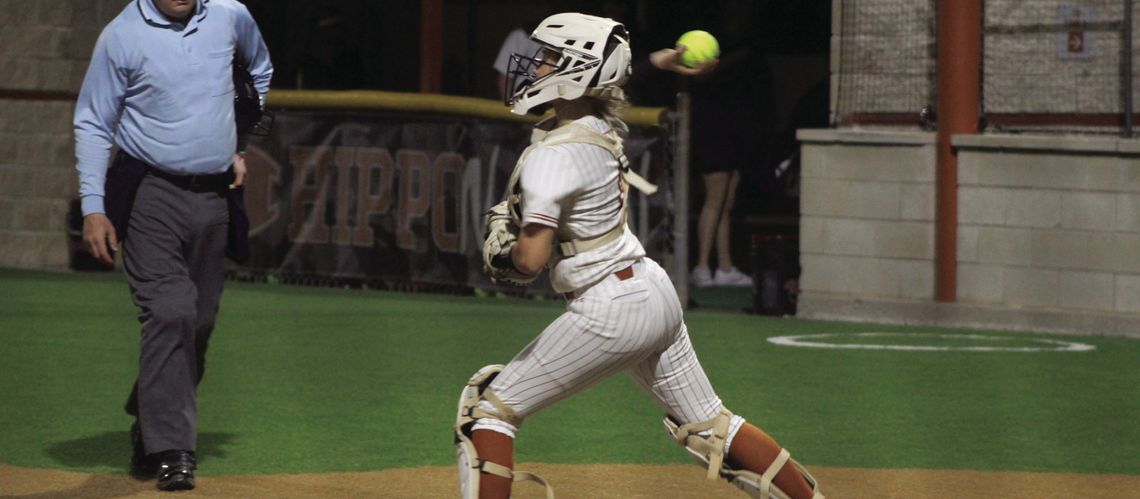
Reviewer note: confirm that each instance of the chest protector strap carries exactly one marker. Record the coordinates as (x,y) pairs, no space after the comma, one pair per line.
(574,133)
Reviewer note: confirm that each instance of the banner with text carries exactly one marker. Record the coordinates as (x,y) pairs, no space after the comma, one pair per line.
(395,200)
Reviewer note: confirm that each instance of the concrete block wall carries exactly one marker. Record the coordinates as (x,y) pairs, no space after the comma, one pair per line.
(1049,222)
(1048,231)
(867,214)
(44,50)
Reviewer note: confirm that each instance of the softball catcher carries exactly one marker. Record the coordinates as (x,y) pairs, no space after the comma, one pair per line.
(565,210)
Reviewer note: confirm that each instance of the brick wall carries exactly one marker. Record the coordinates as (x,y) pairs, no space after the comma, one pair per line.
(44,49)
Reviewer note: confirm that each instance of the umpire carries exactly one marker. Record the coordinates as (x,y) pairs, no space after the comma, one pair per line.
(160,87)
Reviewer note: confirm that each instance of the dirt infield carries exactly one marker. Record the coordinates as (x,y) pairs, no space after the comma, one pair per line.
(624,481)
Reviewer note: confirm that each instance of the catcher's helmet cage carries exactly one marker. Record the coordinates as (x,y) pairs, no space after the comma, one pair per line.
(592,54)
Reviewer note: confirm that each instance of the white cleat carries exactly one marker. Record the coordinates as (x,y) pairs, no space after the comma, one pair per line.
(732,277)
(701,277)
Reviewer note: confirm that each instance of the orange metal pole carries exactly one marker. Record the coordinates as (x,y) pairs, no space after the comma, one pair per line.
(431,46)
(959,68)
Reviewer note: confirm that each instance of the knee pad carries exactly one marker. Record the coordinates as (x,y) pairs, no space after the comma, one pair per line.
(704,440)
(470,466)
(707,442)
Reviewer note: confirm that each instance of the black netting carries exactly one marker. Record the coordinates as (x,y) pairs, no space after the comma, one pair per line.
(1055,65)
(887,59)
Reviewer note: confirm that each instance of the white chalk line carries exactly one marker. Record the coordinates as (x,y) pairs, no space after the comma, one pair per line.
(1050,345)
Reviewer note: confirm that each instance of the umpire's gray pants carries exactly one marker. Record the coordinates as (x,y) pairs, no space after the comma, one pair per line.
(173,257)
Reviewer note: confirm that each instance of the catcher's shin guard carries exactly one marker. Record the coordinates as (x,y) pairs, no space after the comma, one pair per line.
(470,466)
(709,450)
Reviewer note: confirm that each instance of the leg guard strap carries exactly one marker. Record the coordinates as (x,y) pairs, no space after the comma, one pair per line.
(470,465)
(709,449)
(485,466)
(526,476)
(477,390)
(773,469)
(761,486)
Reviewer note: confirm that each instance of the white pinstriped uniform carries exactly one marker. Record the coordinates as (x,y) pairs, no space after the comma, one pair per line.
(575,189)
(613,325)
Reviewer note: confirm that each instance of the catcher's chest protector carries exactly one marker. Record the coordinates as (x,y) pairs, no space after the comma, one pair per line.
(575,133)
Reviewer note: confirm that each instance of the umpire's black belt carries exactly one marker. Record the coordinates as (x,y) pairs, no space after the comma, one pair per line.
(197,183)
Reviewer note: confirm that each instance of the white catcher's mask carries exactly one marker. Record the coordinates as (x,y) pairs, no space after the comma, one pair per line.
(593,55)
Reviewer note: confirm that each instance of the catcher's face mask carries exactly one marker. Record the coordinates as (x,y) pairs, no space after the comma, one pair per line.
(525,71)
(587,55)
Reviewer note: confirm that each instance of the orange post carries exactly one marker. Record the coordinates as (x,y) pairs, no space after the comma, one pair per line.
(431,46)
(959,74)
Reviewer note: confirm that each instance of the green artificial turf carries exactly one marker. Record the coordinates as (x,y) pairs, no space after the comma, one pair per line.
(307,380)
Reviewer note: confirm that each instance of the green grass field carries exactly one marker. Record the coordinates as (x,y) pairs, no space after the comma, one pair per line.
(307,380)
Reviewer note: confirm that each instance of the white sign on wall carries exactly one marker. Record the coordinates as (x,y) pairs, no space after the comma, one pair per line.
(1075,40)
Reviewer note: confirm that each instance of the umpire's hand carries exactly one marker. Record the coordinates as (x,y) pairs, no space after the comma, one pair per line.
(99,235)
(239,170)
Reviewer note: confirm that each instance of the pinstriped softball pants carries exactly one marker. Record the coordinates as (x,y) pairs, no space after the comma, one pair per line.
(634,326)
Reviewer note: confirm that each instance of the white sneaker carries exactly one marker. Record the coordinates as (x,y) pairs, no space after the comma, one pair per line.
(701,277)
(731,277)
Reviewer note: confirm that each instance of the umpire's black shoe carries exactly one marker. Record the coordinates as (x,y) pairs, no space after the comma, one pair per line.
(175,470)
(143,466)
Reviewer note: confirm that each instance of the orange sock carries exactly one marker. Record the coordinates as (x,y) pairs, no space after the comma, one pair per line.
(754,450)
(499,449)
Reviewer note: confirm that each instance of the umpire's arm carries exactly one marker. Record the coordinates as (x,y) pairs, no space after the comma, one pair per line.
(251,50)
(97,113)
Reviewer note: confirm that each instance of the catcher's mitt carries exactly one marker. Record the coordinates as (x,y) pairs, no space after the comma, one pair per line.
(501,235)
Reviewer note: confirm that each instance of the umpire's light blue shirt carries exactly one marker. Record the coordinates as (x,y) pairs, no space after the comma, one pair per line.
(164,92)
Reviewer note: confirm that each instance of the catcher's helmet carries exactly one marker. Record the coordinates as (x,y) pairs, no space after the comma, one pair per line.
(592,54)
(249,112)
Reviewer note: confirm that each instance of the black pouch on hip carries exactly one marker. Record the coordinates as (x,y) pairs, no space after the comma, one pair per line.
(237,237)
(122,183)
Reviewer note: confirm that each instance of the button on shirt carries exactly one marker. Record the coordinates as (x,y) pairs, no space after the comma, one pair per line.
(163,91)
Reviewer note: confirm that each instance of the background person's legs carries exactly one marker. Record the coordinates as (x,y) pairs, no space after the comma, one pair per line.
(726,272)
(709,223)
(714,230)
(724,223)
